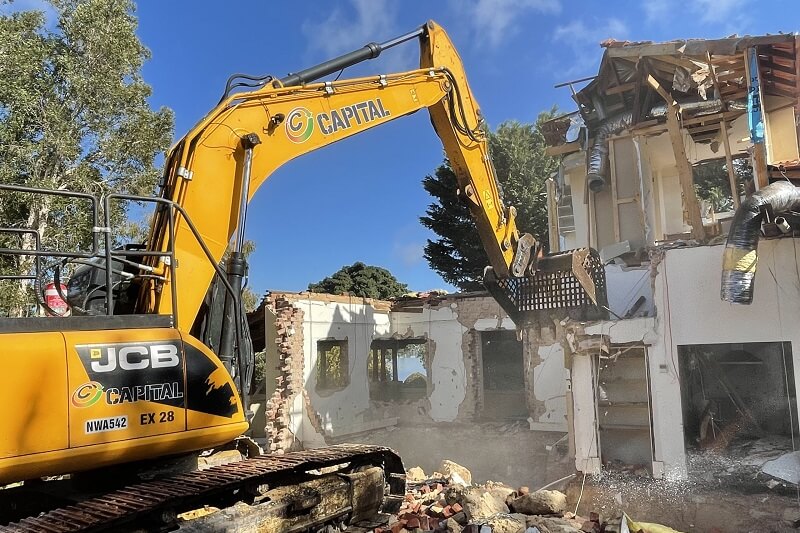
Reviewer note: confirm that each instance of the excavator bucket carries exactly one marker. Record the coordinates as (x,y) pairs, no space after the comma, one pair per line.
(574,281)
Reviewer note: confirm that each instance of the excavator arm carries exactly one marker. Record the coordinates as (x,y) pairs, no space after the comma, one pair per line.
(220,164)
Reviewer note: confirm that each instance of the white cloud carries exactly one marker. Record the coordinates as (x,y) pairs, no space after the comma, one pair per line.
(494,20)
(732,14)
(341,32)
(409,253)
(584,41)
(656,10)
(719,10)
(363,21)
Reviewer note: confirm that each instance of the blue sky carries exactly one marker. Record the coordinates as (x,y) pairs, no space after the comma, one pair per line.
(360,200)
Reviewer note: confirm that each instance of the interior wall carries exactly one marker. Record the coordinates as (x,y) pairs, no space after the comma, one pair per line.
(575,174)
(346,410)
(782,134)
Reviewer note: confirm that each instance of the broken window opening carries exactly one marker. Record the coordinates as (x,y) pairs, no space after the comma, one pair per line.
(503,375)
(713,186)
(739,409)
(333,369)
(397,369)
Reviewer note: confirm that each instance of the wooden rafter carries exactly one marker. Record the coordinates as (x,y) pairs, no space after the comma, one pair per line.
(685,175)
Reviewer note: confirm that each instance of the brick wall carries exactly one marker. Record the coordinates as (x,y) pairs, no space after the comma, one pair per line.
(289,383)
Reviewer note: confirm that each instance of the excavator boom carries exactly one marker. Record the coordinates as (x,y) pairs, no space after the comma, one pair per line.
(288,118)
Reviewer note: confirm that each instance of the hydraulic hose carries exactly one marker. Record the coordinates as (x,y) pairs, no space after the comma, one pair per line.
(740,258)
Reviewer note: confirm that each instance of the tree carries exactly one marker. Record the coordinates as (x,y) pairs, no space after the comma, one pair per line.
(73,116)
(362,280)
(522,167)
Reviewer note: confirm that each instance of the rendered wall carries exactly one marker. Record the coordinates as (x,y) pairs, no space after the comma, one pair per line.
(452,327)
(686,289)
(346,410)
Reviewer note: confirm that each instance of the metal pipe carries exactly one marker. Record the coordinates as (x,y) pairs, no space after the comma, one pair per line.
(368,51)
(249,141)
(232,333)
(740,258)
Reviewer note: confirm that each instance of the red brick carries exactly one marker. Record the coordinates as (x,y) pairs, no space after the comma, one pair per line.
(413,523)
(457,507)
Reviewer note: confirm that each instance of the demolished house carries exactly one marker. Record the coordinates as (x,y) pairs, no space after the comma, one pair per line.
(674,147)
(429,375)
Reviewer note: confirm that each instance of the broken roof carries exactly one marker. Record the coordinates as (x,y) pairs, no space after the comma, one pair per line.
(694,72)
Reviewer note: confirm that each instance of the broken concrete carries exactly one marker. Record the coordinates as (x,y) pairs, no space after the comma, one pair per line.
(540,502)
(449,468)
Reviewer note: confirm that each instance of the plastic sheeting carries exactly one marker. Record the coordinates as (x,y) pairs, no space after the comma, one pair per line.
(740,258)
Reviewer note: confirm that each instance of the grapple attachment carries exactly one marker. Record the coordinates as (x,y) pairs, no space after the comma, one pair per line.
(573,281)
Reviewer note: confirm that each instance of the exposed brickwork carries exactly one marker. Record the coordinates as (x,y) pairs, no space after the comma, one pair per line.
(289,340)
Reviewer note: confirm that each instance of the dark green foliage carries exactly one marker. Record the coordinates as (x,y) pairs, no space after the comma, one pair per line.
(363,280)
(518,153)
(712,184)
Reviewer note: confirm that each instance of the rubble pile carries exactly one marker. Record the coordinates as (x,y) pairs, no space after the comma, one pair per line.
(447,501)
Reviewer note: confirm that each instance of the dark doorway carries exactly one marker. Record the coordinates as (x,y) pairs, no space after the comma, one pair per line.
(738,402)
(503,375)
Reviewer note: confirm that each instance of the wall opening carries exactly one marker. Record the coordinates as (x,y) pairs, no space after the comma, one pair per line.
(397,369)
(623,408)
(738,402)
(333,369)
(503,375)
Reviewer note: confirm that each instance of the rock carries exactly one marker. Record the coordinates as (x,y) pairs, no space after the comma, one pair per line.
(785,467)
(219,458)
(792,516)
(506,523)
(522,491)
(415,474)
(478,503)
(501,490)
(449,467)
(540,502)
(451,526)
(455,479)
(553,525)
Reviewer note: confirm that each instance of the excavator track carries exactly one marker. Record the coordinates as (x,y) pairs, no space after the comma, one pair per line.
(155,504)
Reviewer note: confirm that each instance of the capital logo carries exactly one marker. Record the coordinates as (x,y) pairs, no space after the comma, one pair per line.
(87,394)
(299,125)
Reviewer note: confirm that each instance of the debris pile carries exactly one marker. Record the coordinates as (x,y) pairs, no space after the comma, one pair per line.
(447,501)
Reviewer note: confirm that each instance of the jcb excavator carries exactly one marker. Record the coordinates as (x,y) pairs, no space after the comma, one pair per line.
(155,359)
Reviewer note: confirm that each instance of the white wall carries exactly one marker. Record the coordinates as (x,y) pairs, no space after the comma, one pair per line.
(550,379)
(690,311)
(345,410)
(448,377)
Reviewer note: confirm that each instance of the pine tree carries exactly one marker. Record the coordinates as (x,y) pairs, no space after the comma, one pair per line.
(522,167)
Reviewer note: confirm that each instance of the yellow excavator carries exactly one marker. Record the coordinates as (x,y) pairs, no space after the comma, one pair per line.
(155,358)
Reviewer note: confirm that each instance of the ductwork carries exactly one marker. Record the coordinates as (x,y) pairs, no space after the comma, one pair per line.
(740,259)
(598,153)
